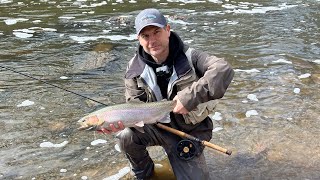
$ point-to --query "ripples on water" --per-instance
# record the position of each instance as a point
(269, 117)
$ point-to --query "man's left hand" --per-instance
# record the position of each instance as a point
(179, 108)
(112, 128)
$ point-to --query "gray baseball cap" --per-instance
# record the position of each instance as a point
(149, 17)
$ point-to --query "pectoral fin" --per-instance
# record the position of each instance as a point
(140, 124)
(165, 119)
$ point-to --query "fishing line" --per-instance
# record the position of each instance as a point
(9, 69)
(174, 131)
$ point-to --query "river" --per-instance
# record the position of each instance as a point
(269, 116)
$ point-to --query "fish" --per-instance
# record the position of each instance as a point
(132, 114)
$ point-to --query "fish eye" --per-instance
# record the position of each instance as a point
(81, 120)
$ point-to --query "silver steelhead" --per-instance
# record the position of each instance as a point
(131, 114)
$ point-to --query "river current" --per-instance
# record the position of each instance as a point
(269, 116)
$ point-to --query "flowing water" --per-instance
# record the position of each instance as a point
(269, 116)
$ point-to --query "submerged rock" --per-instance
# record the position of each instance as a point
(100, 57)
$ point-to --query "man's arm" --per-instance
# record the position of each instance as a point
(133, 92)
(215, 76)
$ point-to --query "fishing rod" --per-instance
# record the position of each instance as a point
(188, 136)
(45, 82)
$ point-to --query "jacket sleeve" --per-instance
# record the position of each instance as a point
(133, 92)
(215, 75)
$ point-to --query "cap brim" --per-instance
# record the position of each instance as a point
(151, 24)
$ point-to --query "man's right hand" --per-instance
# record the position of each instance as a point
(179, 108)
(112, 128)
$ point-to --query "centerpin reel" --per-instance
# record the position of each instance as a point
(186, 149)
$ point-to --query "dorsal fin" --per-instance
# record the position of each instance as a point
(135, 102)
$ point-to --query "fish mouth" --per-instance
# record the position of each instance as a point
(88, 128)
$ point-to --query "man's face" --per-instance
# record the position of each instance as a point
(155, 41)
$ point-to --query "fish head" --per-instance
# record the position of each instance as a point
(90, 122)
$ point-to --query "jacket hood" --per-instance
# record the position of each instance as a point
(176, 57)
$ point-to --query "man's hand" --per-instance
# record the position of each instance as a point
(179, 108)
(113, 128)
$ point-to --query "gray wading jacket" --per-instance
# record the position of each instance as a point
(198, 80)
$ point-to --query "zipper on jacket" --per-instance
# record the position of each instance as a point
(183, 77)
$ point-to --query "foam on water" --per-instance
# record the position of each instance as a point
(49, 29)
(93, 5)
(63, 170)
(297, 30)
(26, 103)
(27, 33)
(217, 129)
(22, 35)
(302, 76)
(252, 97)
(89, 12)
(35, 29)
(247, 71)
(243, 9)
(216, 116)
(117, 148)
(89, 21)
(106, 31)
(282, 61)
(14, 21)
(5, 1)
(188, 41)
(83, 39)
(131, 37)
(228, 22)
(244, 101)
(187, 1)
(64, 77)
(111, 37)
(212, 13)
(37, 21)
(66, 17)
(229, 6)
(24, 31)
(216, 1)
(50, 144)
(175, 21)
(98, 141)
(296, 90)
(251, 113)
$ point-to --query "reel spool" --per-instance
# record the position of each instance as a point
(186, 149)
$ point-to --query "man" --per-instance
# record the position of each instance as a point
(165, 68)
